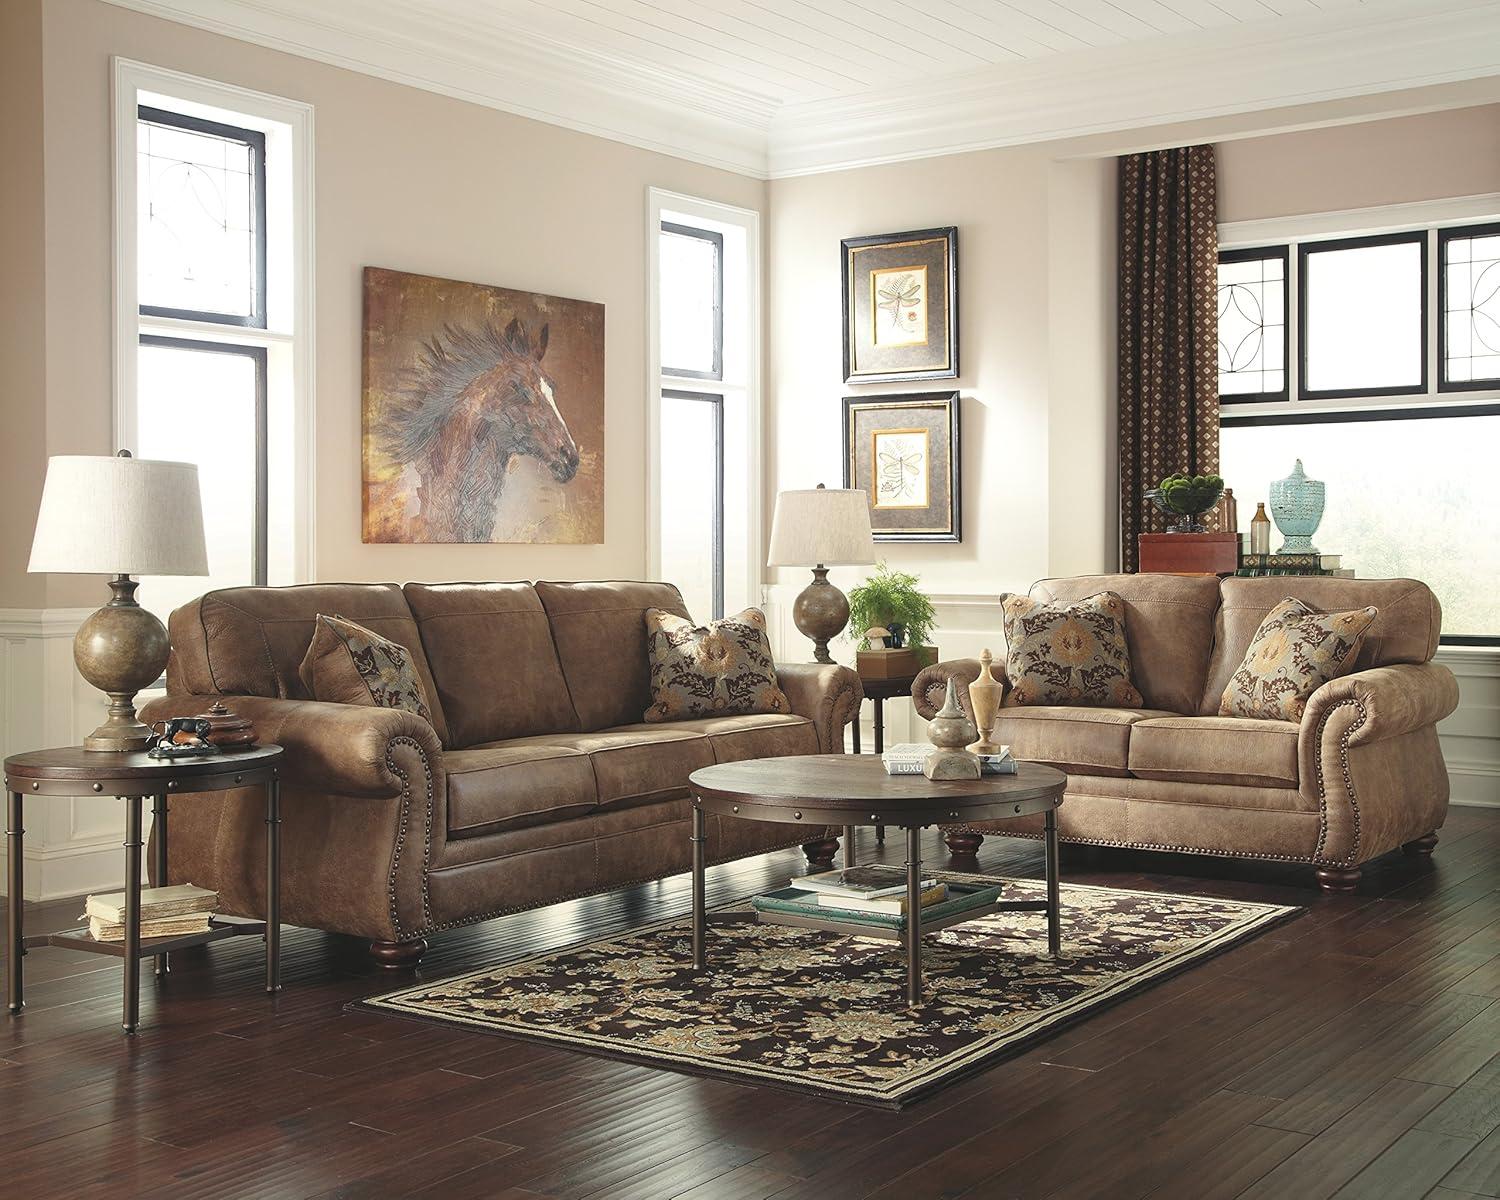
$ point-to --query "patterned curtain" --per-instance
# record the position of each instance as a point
(1169, 387)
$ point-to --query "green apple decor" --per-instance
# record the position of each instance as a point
(1185, 498)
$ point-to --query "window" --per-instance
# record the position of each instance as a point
(704, 529)
(1363, 316)
(1469, 301)
(214, 284)
(1406, 469)
(1252, 324)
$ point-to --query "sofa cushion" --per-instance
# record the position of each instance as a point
(722, 668)
(1092, 741)
(1296, 650)
(496, 789)
(492, 658)
(1235, 751)
(758, 735)
(1169, 627)
(349, 664)
(1405, 630)
(250, 641)
(634, 764)
(599, 630)
(1067, 651)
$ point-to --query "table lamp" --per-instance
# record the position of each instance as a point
(819, 528)
(120, 516)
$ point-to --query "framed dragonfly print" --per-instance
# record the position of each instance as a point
(901, 306)
(903, 452)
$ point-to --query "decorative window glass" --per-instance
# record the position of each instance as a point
(691, 266)
(201, 219)
(1252, 324)
(1363, 320)
(1469, 306)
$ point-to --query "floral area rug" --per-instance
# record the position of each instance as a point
(826, 1014)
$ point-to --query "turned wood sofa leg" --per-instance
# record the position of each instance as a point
(964, 845)
(399, 954)
(820, 853)
(1422, 846)
(1338, 879)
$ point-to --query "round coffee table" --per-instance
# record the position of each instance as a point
(852, 790)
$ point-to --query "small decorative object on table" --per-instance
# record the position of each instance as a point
(227, 729)
(984, 699)
(1260, 531)
(1228, 512)
(182, 737)
(875, 637)
(949, 732)
(1297, 505)
(1185, 498)
(890, 601)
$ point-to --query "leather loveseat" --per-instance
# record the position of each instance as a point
(1360, 775)
(536, 781)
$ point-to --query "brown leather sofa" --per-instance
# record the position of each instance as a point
(1359, 776)
(536, 781)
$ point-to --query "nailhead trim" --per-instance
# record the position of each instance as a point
(401, 933)
(1353, 859)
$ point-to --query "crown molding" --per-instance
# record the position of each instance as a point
(1378, 47)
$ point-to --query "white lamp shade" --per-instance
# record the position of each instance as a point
(119, 516)
(821, 525)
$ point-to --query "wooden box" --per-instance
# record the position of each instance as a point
(1189, 553)
(894, 664)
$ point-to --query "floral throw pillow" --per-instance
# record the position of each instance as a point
(720, 669)
(349, 664)
(1296, 650)
(1068, 651)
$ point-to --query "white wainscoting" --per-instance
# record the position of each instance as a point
(72, 844)
(968, 623)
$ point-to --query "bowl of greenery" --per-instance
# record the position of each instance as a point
(1185, 498)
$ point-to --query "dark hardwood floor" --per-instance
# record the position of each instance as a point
(1354, 1052)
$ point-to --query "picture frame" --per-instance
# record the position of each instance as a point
(900, 306)
(904, 452)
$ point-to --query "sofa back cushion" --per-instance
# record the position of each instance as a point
(492, 656)
(1169, 627)
(1405, 629)
(600, 633)
(250, 641)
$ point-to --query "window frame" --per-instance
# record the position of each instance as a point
(1257, 254)
(255, 140)
(715, 239)
(716, 400)
(1305, 249)
(1444, 235)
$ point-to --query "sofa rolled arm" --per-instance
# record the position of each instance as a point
(1391, 701)
(931, 684)
(827, 694)
(343, 749)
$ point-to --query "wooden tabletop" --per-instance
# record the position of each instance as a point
(854, 789)
(44, 771)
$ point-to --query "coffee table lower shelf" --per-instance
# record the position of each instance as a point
(220, 927)
(897, 933)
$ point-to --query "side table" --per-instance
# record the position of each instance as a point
(130, 776)
(879, 691)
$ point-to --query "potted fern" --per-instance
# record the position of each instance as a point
(890, 600)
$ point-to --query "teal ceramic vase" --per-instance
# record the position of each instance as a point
(1297, 507)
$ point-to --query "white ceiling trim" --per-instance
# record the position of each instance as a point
(1380, 46)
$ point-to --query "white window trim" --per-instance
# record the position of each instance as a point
(1359, 222)
(657, 202)
(130, 79)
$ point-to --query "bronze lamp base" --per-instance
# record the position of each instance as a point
(120, 649)
(821, 611)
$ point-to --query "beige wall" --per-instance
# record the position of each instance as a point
(404, 179)
(22, 297)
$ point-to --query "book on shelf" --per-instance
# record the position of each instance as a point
(110, 931)
(792, 902)
(933, 892)
(908, 757)
(867, 883)
(173, 901)
(1253, 565)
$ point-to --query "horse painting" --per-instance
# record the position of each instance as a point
(468, 436)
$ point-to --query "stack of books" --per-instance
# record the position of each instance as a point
(907, 759)
(1292, 564)
(165, 912)
(867, 889)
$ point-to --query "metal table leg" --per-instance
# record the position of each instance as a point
(913, 915)
(273, 885)
(132, 913)
(159, 862)
(879, 728)
(15, 892)
(849, 846)
(699, 916)
(1054, 915)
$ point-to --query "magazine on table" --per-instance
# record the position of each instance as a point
(907, 759)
